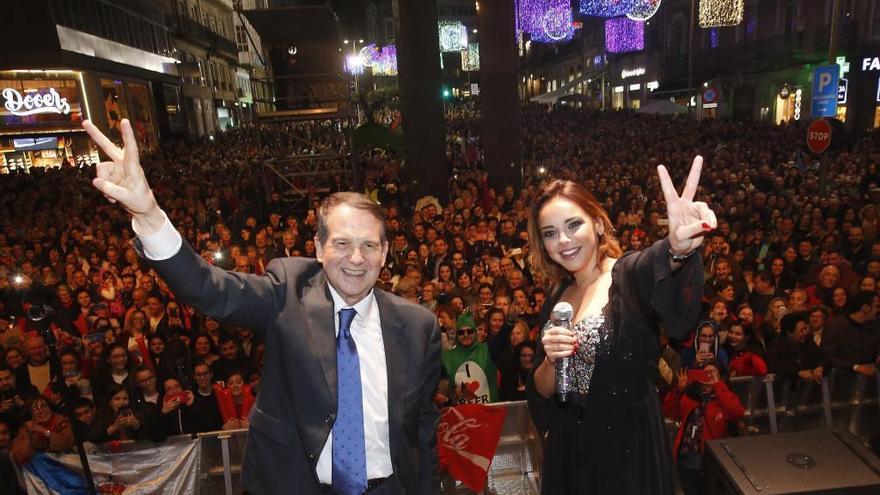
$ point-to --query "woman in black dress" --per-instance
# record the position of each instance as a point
(610, 436)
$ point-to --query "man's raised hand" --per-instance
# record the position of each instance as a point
(122, 178)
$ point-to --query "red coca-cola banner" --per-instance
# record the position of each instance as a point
(467, 437)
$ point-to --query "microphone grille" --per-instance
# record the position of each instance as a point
(562, 311)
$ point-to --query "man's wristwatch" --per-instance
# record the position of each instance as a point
(681, 258)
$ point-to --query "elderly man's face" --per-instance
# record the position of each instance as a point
(353, 253)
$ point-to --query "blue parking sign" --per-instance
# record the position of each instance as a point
(825, 88)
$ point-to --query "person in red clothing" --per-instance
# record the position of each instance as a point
(235, 401)
(744, 352)
(704, 409)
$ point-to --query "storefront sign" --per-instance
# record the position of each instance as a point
(638, 71)
(870, 63)
(32, 102)
(842, 89)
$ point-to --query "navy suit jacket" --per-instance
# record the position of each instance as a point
(291, 310)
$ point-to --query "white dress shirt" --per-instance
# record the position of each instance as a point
(366, 330)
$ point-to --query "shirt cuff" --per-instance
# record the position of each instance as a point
(163, 244)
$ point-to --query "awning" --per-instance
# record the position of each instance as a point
(566, 89)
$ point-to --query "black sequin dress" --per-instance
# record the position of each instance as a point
(610, 438)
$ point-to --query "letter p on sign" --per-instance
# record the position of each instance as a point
(824, 80)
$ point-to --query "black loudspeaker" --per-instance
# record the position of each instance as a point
(806, 462)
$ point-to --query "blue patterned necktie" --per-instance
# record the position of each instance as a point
(349, 451)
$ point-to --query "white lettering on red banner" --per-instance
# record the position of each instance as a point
(32, 103)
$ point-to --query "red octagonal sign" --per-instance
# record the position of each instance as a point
(819, 136)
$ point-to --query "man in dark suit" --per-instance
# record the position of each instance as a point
(345, 403)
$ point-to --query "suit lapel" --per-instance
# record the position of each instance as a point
(395, 363)
(319, 308)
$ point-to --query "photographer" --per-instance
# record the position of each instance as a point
(175, 416)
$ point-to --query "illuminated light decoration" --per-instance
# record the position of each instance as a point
(557, 23)
(368, 55)
(720, 13)
(797, 104)
(624, 35)
(385, 62)
(33, 103)
(354, 65)
(713, 38)
(545, 21)
(470, 58)
(453, 36)
(643, 10)
(607, 8)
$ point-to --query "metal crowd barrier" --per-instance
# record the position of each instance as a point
(771, 397)
(514, 470)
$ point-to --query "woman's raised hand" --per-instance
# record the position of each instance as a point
(689, 220)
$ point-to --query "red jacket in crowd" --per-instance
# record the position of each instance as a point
(725, 407)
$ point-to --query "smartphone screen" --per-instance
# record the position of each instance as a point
(704, 347)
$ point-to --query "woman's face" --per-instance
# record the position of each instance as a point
(157, 346)
(868, 284)
(482, 333)
(40, 411)
(202, 346)
(118, 359)
(464, 280)
(777, 266)
(778, 308)
(235, 384)
(517, 335)
(485, 295)
(68, 364)
(14, 358)
(211, 324)
(719, 311)
(707, 335)
(445, 273)
(424, 251)
(746, 315)
(728, 293)
(736, 335)
(839, 297)
(119, 401)
(568, 235)
(526, 358)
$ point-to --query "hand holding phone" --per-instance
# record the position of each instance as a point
(699, 376)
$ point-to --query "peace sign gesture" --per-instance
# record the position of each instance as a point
(122, 178)
(689, 220)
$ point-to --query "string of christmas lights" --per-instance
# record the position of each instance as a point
(470, 58)
(624, 35)
(719, 13)
(453, 36)
(607, 8)
(643, 10)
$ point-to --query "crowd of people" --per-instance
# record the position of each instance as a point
(791, 272)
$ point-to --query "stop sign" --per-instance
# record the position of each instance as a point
(819, 136)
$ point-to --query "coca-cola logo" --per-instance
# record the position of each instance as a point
(33, 102)
(453, 434)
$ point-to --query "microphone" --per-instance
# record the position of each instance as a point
(561, 317)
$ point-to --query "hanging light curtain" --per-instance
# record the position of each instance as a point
(624, 35)
(719, 13)
(643, 10)
(607, 8)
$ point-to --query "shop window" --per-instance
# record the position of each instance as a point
(876, 117)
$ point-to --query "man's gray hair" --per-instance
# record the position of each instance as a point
(353, 200)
